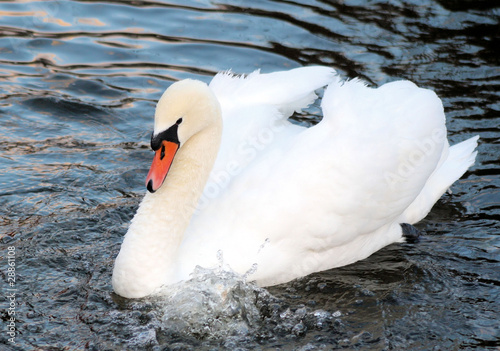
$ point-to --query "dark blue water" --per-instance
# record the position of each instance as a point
(79, 81)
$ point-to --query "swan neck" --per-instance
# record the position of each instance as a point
(148, 252)
(186, 180)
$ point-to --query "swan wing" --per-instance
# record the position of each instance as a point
(321, 197)
(383, 144)
(255, 109)
(288, 91)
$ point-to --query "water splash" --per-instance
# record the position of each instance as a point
(214, 303)
(219, 306)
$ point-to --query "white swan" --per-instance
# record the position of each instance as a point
(292, 200)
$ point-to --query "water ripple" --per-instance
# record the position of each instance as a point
(79, 85)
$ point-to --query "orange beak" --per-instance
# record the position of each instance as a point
(161, 164)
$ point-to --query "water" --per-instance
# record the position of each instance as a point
(79, 81)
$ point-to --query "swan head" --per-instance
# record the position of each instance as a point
(185, 109)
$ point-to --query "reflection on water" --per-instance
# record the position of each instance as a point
(79, 83)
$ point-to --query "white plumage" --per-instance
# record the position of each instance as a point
(290, 199)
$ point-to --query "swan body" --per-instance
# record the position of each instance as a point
(231, 174)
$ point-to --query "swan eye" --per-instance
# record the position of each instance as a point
(179, 121)
(169, 134)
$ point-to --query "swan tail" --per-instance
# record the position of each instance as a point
(288, 91)
(458, 159)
